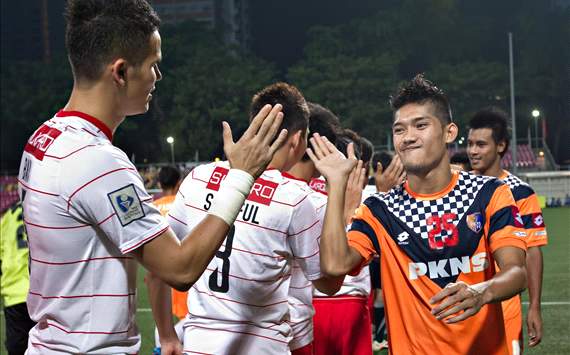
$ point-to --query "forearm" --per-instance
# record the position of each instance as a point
(160, 303)
(534, 274)
(334, 248)
(506, 283)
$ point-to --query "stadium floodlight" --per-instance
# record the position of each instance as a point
(170, 140)
(535, 113)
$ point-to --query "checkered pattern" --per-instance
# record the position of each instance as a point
(415, 212)
(513, 181)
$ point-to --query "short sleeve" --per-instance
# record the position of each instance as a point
(504, 226)
(112, 196)
(304, 233)
(531, 214)
(363, 236)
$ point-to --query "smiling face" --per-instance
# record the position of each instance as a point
(484, 153)
(141, 79)
(420, 138)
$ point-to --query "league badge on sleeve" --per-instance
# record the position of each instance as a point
(475, 222)
(126, 204)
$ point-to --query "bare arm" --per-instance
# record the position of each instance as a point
(462, 301)
(329, 285)
(337, 257)
(180, 264)
(160, 303)
(534, 275)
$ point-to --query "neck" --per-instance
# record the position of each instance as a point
(494, 169)
(168, 192)
(97, 100)
(303, 170)
(433, 181)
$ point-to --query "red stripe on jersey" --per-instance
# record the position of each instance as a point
(40, 345)
(305, 332)
(253, 280)
(145, 240)
(254, 253)
(195, 178)
(83, 260)
(244, 333)
(35, 190)
(65, 156)
(91, 181)
(88, 131)
(304, 230)
(306, 257)
(106, 219)
(300, 287)
(196, 352)
(81, 331)
(94, 121)
(81, 296)
(52, 227)
(290, 205)
(176, 219)
(248, 322)
(234, 301)
(238, 221)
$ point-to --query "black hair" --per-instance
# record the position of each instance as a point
(323, 122)
(383, 157)
(99, 31)
(367, 149)
(295, 109)
(461, 158)
(344, 138)
(496, 120)
(168, 177)
(419, 90)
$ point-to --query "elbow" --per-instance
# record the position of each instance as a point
(523, 278)
(183, 281)
(331, 270)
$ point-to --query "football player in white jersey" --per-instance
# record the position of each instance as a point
(239, 305)
(87, 214)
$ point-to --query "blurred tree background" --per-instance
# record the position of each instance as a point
(351, 67)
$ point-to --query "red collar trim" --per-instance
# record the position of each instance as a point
(292, 177)
(96, 122)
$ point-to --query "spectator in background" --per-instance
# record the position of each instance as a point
(460, 161)
(15, 280)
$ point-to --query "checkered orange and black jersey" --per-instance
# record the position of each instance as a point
(449, 227)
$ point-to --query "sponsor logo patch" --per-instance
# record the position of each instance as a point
(403, 238)
(42, 139)
(537, 220)
(475, 222)
(218, 175)
(126, 204)
(518, 221)
(262, 191)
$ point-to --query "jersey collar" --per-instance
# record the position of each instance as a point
(94, 121)
(436, 195)
(292, 177)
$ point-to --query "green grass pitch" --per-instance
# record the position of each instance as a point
(555, 294)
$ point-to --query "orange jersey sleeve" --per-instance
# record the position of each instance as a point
(504, 225)
(531, 214)
(364, 235)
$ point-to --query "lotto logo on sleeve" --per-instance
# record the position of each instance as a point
(537, 220)
(262, 191)
(126, 204)
(218, 175)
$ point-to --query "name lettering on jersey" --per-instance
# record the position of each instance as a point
(448, 267)
(475, 222)
(27, 167)
(126, 204)
(248, 212)
(319, 185)
(436, 236)
(537, 220)
(262, 191)
(218, 175)
(41, 140)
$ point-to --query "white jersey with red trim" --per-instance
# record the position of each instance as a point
(85, 209)
(239, 304)
(301, 292)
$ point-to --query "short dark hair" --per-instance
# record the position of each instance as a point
(367, 149)
(168, 177)
(419, 90)
(323, 122)
(494, 119)
(344, 138)
(100, 30)
(383, 157)
(295, 109)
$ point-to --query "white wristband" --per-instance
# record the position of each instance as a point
(231, 195)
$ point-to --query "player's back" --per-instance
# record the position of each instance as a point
(242, 295)
(66, 164)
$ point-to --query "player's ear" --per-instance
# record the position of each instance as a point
(119, 71)
(450, 131)
(501, 146)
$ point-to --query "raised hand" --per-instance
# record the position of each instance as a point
(256, 147)
(329, 161)
(354, 187)
(392, 176)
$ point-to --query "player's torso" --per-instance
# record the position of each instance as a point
(249, 278)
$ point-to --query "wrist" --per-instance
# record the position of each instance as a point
(231, 195)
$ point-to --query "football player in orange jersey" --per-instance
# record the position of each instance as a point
(439, 235)
(487, 143)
